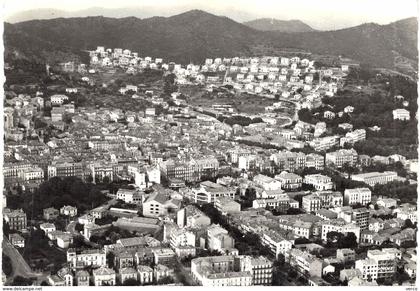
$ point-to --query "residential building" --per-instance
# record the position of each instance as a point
(68, 211)
(17, 240)
(377, 264)
(289, 181)
(341, 157)
(339, 225)
(91, 257)
(373, 178)
(324, 143)
(104, 277)
(267, 183)
(219, 239)
(131, 196)
(208, 192)
(307, 264)
(191, 216)
(65, 169)
(279, 244)
(82, 278)
(159, 204)
(127, 274)
(145, 274)
(357, 195)
(401, 114)
(16, 219)
(162, 271)
(346, 255)
(220, 271)
(226, 205)
(319, 182)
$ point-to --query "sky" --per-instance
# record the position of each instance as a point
(321, 14)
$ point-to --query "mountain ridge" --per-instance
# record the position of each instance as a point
(196, 34)
(272, 24)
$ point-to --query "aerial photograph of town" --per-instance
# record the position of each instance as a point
(178, 143)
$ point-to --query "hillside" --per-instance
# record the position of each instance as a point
(195, 35)
(271, 24)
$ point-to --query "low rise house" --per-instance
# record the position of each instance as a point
(126, 274)
(17, 240)
(401, 114)
(82, 278)
(227, 205)
(357, 195)
(104, 277)
(162, 271)
(159, 204)
(68, 211)
(319, 182)
(306, 263)
(145, 274)
(289, 181)
(16, 219)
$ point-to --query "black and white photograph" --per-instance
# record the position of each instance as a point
(209, 143)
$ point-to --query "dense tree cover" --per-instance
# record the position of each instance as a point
(341, 241)
(169, 85)
(400, 190)
(7, 265)
(250, 195)
(108, 219)
(379, 167)
(22, 281)
(130, 282)
(165, 280)
(38, 244)
(239, 119)
(301, 241)
(58, 192)
(374, 108)
(111, 235)
(342, 183)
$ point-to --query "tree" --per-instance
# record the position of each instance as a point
(7, 265)
(22, 281)
(333, 237)
(79, 227)
(106, 180)
(110, 257)
(301, 240)
(348, 241)
(165, 280)
(130, 282)
(408, 224)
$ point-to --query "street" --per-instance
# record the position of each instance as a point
(20, 267)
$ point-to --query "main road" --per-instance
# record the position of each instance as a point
(20, 266)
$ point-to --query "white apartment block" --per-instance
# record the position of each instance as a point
(96, 258)
(319, 182)
(401, 114)
(129, 196)
(373, 178)
(378, 264)
(277, 244)
(341, 157)
(35, 173)
(339, 225)
(357, 195)
(58, 99)
(356, 135)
